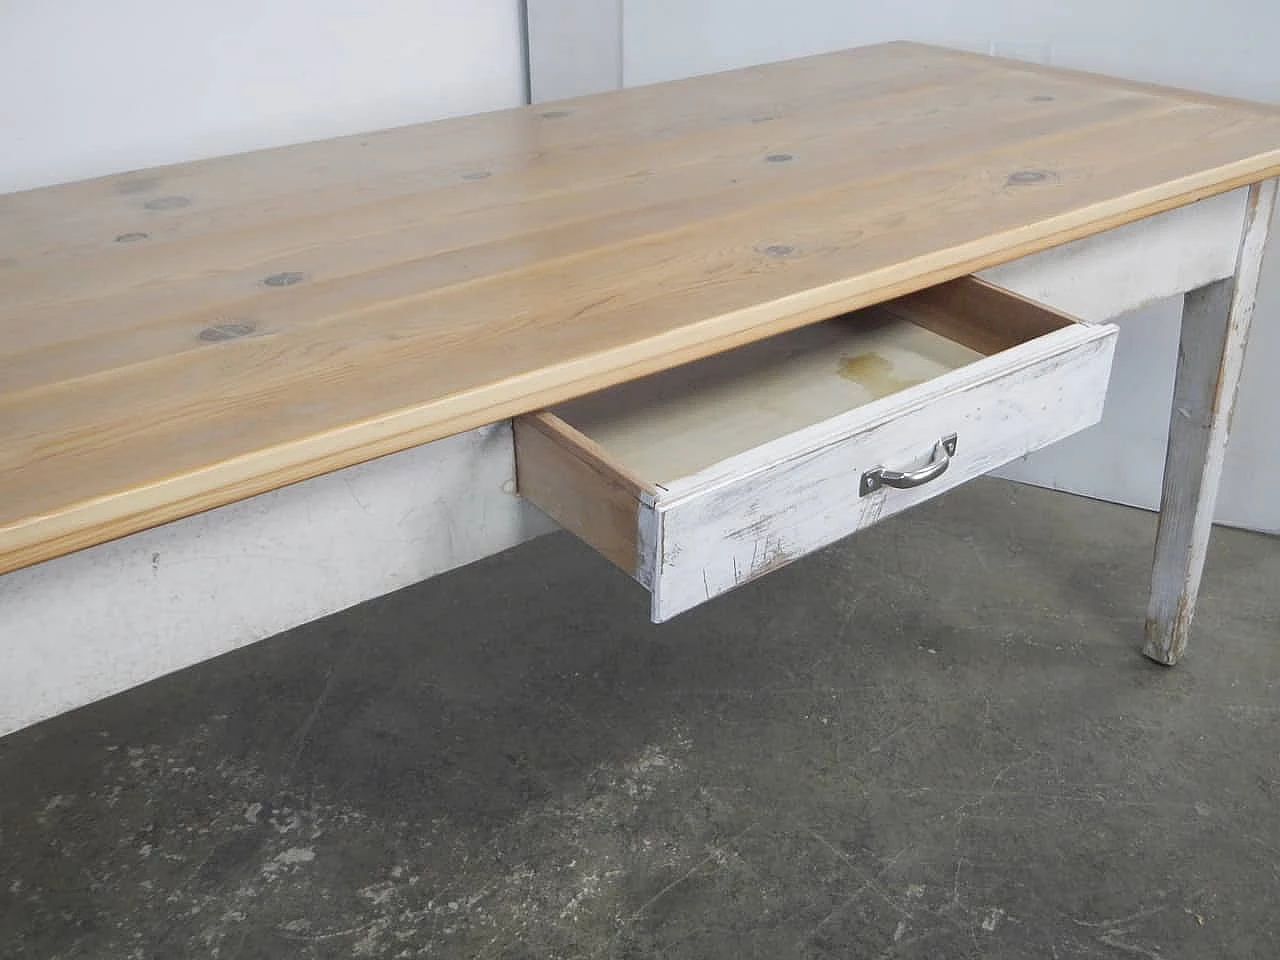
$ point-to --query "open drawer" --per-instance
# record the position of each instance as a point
(711, 474)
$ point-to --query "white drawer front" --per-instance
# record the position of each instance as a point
(756, 513)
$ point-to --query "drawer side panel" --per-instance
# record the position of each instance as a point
(580, 496)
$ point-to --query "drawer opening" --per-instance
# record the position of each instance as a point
(678, 422)
(710, 474)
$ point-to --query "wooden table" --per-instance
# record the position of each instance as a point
(230, 344)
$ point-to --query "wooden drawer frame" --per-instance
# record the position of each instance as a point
(1043, 376)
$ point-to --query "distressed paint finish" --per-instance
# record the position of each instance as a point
(103, 620)
(754, 513)
(1215, 332)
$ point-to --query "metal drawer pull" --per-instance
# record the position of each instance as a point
(878, 477)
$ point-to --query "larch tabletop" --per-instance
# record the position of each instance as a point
(179, 338)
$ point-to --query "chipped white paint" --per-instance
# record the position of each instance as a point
(1215, 331)
(754, 512)
(648, 542)
(99, 621)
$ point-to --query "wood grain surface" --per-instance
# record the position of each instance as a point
(581, 487)
(175, 339)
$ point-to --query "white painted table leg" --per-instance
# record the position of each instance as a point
(1215, 329)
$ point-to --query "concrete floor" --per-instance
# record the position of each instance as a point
(935, 740)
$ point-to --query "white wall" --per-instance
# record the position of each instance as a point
(1224, 46)
(89, 87)
(575, 47)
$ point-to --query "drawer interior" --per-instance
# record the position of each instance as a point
(678, 422)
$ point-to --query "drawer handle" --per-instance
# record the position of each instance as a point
(879, 477)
